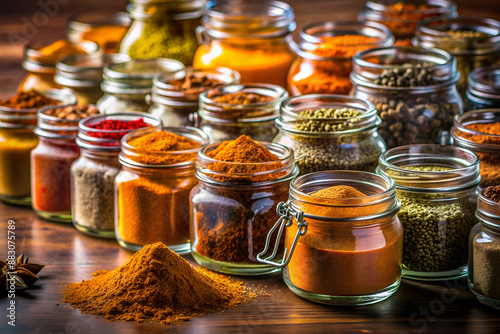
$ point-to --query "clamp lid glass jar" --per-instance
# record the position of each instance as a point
(225, 120)
(340, 250)
(330, 132)
(483, 90)
(413, 90)
(437, 188)
(252, 38)
(126, 85)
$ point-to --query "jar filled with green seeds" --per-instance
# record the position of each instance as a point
(437, 188)
(330, 132)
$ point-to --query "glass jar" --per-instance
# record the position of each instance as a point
(483, 90)
(175, 106)
(311, 73)
(104, 28)
(224, 121)
(486, 146)
(41, 67)
(82, 74)
(251, 38)
(152, 201)
(421, 113)
(17, 139)
(93, 174)
(401, 17)
(344, 143)
(473, 41)
(231, 213)
(484, 253)
(344, 252)
(163, 29)
(126, 85)
(437, 188)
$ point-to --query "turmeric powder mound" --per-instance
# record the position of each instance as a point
(339, 192)
(155, 285)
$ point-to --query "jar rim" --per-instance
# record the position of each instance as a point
(55, 127)
(481, 82)
(488, 211)
(90, 67)
(470, 117)
(381, 7)
(87, 20)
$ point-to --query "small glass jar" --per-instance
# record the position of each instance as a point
(82, 74)
(475, 43)
(231, 213)
(350, 143)
(17, 139)
(253, 39)
(486, 146)
(410, 114)
(175, 106)
(126, 85)
(163, 29)
(104, 28)
(437, 188)
(401, 17)
(93, 174)
(344, 252)
(224, 121)
(484, 253)
(483, 90)
(314, 74)
(41, 68)
(152, 201)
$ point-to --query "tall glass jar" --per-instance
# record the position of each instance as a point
(93, 174)
(341, 251)
(484, 253)
(126, 85)
(350, 142)
(401, 17)
(483, 90)
(152, 201)
(419, 102)
(251, 38)
(176, 106)
(314, 73)
(232, 212)
(437, 188)
(473, 41)
(17, 139)
(224, 121)
(163, 29)
(486, 146)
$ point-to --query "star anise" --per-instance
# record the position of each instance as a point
(23, 273)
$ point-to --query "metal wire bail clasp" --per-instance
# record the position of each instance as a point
(287, 213)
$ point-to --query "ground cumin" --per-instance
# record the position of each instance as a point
(154, 285)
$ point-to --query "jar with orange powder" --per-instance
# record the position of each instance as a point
(343, 240)
(253, 39)
(325, 55)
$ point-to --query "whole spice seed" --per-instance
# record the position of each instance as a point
(406, 75)
(31, 99)
(241, 98)
(110, 124)
(73, 112)
(493, 193)
(332, 113)
(466, 33)
(21, 272)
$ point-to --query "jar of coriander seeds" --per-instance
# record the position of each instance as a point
(483, 90)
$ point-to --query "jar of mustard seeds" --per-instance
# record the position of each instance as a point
(254, 39)
(437, 188)
(483, 90)
(152, 191)
(340, 250)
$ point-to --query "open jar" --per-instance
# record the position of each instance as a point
(324, 59)
(232, 212)
(152, 199)
(254, 39)
(330, 132)
(126, 85)
(437, 188)
(175, 95)
(483, 90)
(341, 251)
(413, 90)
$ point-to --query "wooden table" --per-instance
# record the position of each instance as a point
(447, 307)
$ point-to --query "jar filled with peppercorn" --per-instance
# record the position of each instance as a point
(175, 95)
(437, 186)
(330, 132)
(228, 112)
(483, 90)
(93, 174)
(413, 90)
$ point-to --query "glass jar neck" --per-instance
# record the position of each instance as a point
(100, 155)
(164, 10)
(472, 139)
(378, 10)
(488, 212)
(484, 84)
